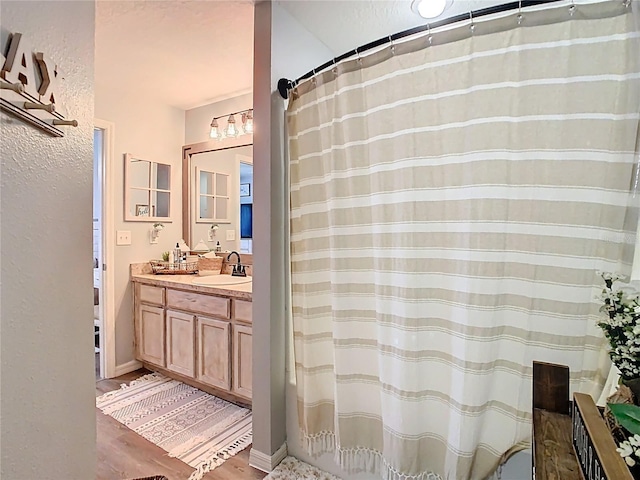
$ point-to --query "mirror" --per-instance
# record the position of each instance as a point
(147, 190)
(218, 191)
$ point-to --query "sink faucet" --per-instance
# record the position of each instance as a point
(238, 269)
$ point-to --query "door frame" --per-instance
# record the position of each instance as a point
(107, 230)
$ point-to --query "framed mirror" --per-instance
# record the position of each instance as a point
(217, 191)
(147, 190)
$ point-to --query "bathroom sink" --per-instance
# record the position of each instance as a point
(216, 280)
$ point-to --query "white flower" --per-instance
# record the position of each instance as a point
(635, 440)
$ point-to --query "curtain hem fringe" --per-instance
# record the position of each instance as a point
(359, 459)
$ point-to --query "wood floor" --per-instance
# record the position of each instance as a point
(123, 454)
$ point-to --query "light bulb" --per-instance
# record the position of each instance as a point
(214, 133)
(247, 122)
(430, 8)
(231, 130)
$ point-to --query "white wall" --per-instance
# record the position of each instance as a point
(151, 131)
(48, 391)
(198, 120)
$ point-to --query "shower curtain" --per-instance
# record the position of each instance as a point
(451, 199)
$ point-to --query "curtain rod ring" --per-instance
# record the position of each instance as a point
(572, 8)
(429, 36)
(520, 17)
(335, 68)
(472, 27)
(358, 57)
(393, 47)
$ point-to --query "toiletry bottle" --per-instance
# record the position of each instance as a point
(218, 247)
(171, 258)
(177, 254)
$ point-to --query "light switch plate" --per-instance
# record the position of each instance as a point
(123, 237)
(231, 234)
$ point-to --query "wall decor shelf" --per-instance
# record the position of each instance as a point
(36, 117)
(28, 88)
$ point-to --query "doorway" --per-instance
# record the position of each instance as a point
(103, 226)
(98, 301)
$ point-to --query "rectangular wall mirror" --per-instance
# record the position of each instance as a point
(147, 190)
(218, 191)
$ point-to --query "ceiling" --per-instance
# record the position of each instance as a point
(183, 53)
(195, 52)
(347, 24)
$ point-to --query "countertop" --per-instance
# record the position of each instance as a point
(240, 291)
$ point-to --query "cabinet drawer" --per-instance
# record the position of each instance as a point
(195, 302)
(149, 294)
(242, 310)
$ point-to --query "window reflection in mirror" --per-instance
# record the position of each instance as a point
(147, 190)
(215, 197)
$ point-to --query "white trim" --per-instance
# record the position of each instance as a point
(130, 366)
(267, 463)
(108, 330)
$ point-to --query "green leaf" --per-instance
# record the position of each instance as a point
(627, 415)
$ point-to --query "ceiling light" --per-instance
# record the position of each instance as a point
(430, 8)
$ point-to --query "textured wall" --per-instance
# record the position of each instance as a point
(151, 131)
(47, 360)
(282, 48)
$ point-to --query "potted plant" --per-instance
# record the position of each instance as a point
(621, 327)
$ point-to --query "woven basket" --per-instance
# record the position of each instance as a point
(210, 266)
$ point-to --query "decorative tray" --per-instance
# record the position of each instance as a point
(177, 268)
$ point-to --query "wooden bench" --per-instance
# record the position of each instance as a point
(553, 455)
(557, 455)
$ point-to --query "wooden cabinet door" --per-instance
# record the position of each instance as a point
(242, 360)
(213, 359)
(150, 334)
(181, 343)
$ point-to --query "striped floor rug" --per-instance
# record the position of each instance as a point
(193, 426)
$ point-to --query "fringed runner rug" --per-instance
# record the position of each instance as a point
(189, 424)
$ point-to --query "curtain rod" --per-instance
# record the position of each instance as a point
(284, 85)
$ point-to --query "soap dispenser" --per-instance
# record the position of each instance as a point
(177, 253)
(218, 247)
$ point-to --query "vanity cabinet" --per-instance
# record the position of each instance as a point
(180, 342)
(213, 353)
(242, 358)
(150, 334)
(199, 338)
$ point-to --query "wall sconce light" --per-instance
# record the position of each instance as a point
(247, 122)
(232, 130)
(155, 232)
(212, 231)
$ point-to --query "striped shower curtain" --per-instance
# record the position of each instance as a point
(451, 202)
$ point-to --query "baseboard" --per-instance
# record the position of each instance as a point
(265, 462)
(128, 367)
